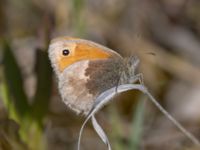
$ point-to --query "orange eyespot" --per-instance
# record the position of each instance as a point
(65, 52)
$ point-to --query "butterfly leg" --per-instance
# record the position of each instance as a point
(138, 77)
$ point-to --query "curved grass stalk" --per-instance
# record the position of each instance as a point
(106, 96)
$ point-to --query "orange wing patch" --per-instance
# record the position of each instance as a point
(83, 51)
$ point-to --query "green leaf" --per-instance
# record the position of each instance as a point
(8, 103)
(14, 81)
(78, 21)
(44, 83)
(117, 129)
(137, 126)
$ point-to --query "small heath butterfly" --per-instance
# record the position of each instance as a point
(86, 69)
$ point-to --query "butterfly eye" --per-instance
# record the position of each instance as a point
(65, 52)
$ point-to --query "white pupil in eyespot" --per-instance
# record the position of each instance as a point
(65, 52)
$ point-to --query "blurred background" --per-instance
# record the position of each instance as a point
(164, 34)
